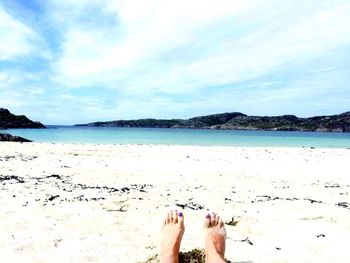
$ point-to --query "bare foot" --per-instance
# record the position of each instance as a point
(215, 236)
(172, 232)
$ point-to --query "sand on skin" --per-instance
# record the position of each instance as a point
(104, 203)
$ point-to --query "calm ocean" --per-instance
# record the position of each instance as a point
(102, 135)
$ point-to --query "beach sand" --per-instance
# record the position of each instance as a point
(105, 203)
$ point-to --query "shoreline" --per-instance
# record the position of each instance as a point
(185, 137)
(105, 203)
(178, 145)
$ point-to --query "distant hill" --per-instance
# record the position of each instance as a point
(9, 120)
(240, 121)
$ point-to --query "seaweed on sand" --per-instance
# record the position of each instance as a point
(194, 256)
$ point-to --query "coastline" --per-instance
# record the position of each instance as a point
(188, 137)
(104, 203)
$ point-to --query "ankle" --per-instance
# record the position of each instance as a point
(214, 257)
(212, 254)
(169, 258)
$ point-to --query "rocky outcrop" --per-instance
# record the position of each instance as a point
(332, 123)
(4, 137)
(9, 120)
(240, 121)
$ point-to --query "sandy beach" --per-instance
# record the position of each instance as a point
(105, 203)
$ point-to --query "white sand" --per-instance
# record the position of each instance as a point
(91, 219)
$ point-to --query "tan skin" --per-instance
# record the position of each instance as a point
(173, 229)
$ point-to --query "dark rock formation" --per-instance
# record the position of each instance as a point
(240, 121)
(9, 120)
(10, 138)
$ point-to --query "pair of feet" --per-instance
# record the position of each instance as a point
(173, 229)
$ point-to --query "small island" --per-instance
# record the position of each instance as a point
(240, 121)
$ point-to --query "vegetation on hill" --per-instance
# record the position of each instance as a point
(240, 121)
(9, 120)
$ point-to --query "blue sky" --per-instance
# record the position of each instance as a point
(76, 61)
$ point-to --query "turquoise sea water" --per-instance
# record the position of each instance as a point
(102, 135)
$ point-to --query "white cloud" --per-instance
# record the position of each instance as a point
(261, 52)
(20, 90)
(144, 31)
(129, 55)
(17, 39)
(9, 78)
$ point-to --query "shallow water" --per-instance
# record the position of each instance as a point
(109, 135)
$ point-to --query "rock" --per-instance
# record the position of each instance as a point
(10, 138)
(10, 178)
(53, 197)
(344, 204)
(247, 240)
(9, 121)
(54, 176)
(191, 205)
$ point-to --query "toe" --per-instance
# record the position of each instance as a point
(167, 219)
(215, 220)
(207, 221)
(221, 222)
(212, 219)
(170, 216)
(180, 218)
(175, 218)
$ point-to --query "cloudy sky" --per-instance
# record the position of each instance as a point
(75, 61)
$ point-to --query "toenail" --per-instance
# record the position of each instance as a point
(180, 214)
(207, 216)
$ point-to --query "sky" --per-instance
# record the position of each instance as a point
(78, 61)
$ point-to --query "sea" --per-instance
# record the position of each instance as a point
(112, 135)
